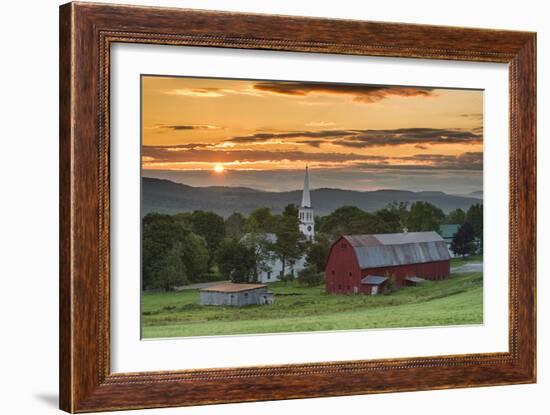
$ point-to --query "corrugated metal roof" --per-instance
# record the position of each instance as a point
(373, 280)
(391, 249)
(393, 238)
(230, 287)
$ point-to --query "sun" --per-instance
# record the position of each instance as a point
(218, 168)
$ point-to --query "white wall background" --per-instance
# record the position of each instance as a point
(28, 207)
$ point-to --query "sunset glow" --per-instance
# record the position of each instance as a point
(201, 124)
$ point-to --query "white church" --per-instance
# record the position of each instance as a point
(274, 266)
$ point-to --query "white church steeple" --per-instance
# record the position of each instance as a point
(305, 213)
(306, 201)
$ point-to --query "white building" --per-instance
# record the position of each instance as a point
(305, 214)
(273, 268)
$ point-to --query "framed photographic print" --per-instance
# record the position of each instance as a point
(261, 207)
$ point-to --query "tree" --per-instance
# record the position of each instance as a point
(351, 220)
(317, 252)
(463, 240)
(391, 219)
(170, 271)
(159, 235)
(195, 256)
(290, 210)
(184, 219)
(457, 216)
(400, 209)
(164, 234)
(290, 242)
(424, 216)
(261, 246)
(211, 227)
(235, 261)
(309, 276)
(262, 220)
(474, 215)
(234, 226)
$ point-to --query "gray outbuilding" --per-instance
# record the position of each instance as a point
(238, 295)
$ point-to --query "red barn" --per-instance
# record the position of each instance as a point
(367, 263)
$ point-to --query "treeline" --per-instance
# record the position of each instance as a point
(203, 246)
(469, 237)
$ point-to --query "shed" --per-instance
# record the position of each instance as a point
(413, 281)
(394, 255)
(238, 295)
(375, 284)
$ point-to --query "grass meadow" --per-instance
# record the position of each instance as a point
(456, 301)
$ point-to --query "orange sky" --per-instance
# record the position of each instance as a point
(220, 125)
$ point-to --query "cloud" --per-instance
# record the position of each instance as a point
(477, 116)
(370, 138)
(201, 153)
(320, 124)
(211, 92)
(186, 127)
(366, 94)
(464, 161)
(206, 153)
(198, 92)
(412, 136)
(263, 137)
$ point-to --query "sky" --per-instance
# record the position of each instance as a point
(262, 134)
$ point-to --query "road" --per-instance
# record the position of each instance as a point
(470, 267)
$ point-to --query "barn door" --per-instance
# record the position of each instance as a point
(374, 290)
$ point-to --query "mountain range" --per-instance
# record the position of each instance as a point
(164, 196)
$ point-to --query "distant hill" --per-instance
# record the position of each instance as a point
(164, 196)
(478, 194)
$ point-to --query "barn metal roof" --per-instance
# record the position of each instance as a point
(230, 287)
(391, 249)
(373, 280)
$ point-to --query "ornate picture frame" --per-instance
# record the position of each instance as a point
(87, 32)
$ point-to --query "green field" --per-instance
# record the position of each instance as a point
(458, 300)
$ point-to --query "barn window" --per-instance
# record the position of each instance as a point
(269, 275)
(246, 294)
(332, 272)
(343, 246)
(350, 273)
